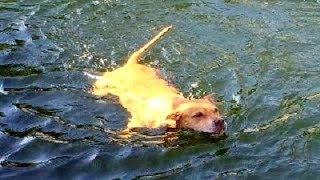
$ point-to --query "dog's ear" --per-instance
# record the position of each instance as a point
(174, 116)
(210, 97)
(177, 101)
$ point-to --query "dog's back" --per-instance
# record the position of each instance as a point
(140, 88)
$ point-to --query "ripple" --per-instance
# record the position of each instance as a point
(261, 59)
(18, 70)
(273, 123)
(17, 164)
(19, 145)
(2, 91)
(26, 140)
(91, 156)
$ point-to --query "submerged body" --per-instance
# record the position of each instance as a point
(140, 90)
(152, 102)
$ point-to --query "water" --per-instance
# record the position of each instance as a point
(261, 58)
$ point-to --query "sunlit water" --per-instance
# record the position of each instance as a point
(261, 58)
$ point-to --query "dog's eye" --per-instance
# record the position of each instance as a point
(215, 110)
(198, 114)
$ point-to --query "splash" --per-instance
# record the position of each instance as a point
(2, 91)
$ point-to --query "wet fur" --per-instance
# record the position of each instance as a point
(152, 101)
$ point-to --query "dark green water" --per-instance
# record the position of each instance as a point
(261, 58)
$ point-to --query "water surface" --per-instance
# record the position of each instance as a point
(261, 58)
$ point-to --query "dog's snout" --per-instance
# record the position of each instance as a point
(219, 122)
(219, 125)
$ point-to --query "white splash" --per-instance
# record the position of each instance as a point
(236, 97)
(2, 91)
(194, 84)
(95, 2)
(26, 140)
(92, 157)
(91, 75)
(3, 158)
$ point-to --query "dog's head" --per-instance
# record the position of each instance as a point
(199, 114)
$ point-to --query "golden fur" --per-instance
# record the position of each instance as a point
(152, 102)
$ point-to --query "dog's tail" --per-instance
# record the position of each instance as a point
(135, 57)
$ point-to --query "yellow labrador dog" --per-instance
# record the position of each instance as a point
(153, 102)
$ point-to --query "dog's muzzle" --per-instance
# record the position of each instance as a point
(219, 126)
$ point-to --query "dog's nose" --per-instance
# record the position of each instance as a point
(219, 124)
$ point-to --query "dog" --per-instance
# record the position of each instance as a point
(152, 101)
